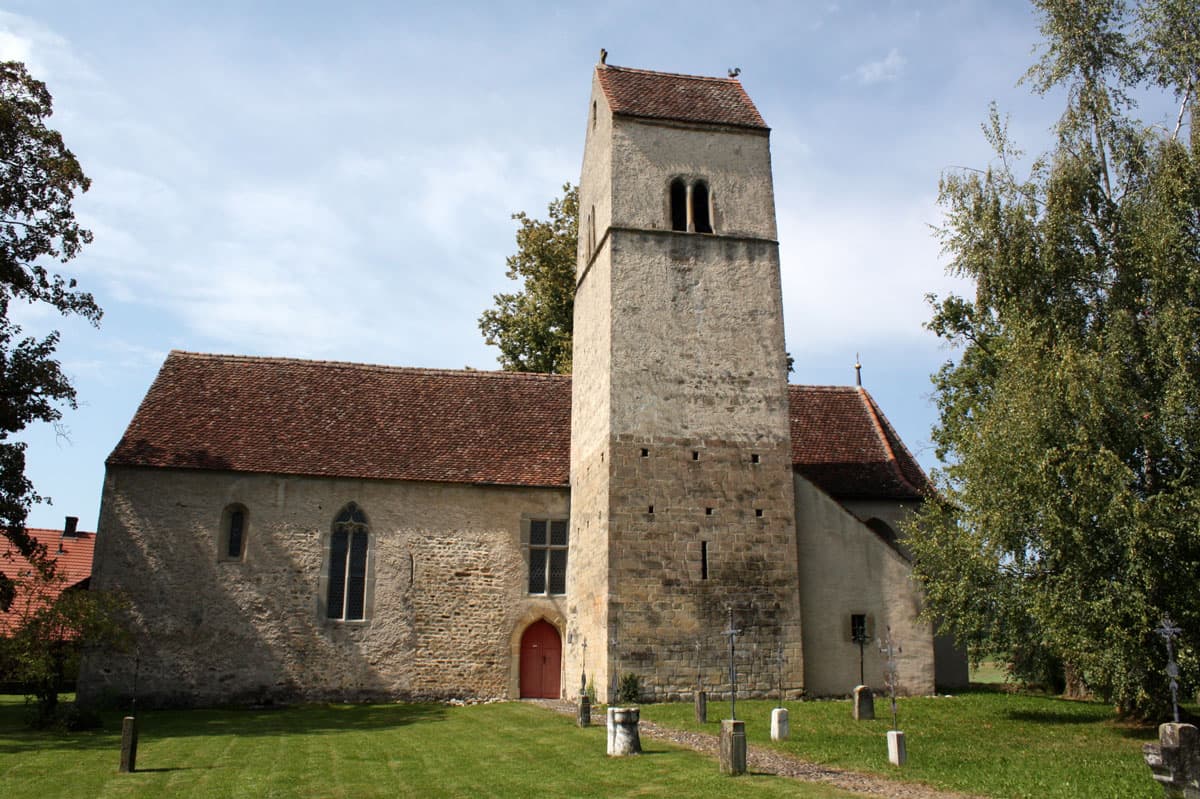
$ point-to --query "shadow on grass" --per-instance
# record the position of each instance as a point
(16, 736)
(1057, 717)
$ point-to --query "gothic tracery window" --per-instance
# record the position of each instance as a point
(347, 593)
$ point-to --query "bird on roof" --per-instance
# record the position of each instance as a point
(733, 73)
(603, 55)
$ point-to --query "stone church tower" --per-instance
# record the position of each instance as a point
(682, 500)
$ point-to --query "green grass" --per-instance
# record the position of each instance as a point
(986, 742)
(990, 671)
(509, 749)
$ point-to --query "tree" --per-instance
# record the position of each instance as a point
(39, 177)
(50, 627)
(1069, 425)
(532, 327)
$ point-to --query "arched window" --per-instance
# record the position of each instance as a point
(232, 541)
(882, 529)
(679, 215)
(346, 598)
(700, 220)
(691, 206)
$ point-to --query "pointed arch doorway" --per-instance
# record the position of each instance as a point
(541, 661)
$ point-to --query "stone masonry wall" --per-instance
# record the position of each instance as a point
(697, 526)
(446, 588)
(845, 569)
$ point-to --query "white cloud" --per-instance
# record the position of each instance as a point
(47, 55)
(857, 274)
(888, 68)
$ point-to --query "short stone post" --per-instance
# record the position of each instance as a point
(585, 710)
(701, 699)
(1175, 760)
(623, 737)
(897, 753)
(780, 729)
(129, 738)
(864, 704)
(733, 747)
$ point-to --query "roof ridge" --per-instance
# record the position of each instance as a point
(272, 359)
(669, 74)
(881, 425)
(822, 387)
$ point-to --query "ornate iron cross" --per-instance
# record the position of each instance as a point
(733, 633)
(890, 671)
(1170, 632)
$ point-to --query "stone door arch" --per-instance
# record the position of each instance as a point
(541, 661)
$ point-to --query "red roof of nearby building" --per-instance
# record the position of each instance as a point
(72, 556)
(686, 98)
(286, 416)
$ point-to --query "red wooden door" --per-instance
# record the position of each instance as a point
(541, 661)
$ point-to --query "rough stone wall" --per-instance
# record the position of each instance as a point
(735, 163)
(845, 568)
(697, 526)
(446, 588)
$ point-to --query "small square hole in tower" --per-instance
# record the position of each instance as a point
(645, 452)
(708, 511)
(650, 509)
(754, 458)
(695, 455)
(758, 512)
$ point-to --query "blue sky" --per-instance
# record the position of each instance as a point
(291, 179)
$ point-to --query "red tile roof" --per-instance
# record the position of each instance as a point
(687, 98)
(72, 556)
(842, 442)
(352, 420)
(331, 419)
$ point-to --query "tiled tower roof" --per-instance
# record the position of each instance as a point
(685, 98)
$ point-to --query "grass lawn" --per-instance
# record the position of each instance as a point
(509, 749)
(989, 671)
(984, 741)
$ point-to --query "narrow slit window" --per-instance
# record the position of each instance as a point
(231, 543)
(703, 560)
(650, 509)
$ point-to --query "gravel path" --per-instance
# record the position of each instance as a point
(767, 761)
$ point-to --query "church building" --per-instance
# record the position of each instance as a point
(289, 529)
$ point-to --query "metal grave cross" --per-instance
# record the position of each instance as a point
(779, 670)
(890, 670)
(583, 670)
(733, 633)
(1170, 632)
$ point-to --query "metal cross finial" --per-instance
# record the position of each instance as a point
(1170, 632)
(733, 633)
